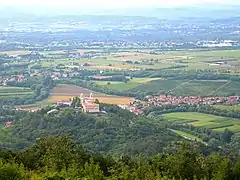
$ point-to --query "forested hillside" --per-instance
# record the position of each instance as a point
(119, 131)
(58, 158)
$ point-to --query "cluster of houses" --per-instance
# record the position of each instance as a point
(190, 100)
(20, 78)
(134, 108)
(164, 100)
(5, 80)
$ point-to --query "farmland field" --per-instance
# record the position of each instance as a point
(187, 88)
(34, 107)
(187, 135)
(17, 52)
(14, 91)
(145, 60)
(217, 123)
(231, 108)
(220, 53)
(66, 92)
(73, 90)
(125, 86)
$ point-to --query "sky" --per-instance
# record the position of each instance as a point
(112, 3)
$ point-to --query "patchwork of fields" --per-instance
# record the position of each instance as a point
(189, 88)
(119, 86)
(216, 123)
(145, 60)
(6, 91)
(66, 92)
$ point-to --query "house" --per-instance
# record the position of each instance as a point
(8, 124)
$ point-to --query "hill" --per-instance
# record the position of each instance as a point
(116, 132)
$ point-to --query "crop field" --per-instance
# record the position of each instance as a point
(219, 54)
(17, 52)
(121, 86)
(6, 91)
(62, 90)
(102, 99)
(187, 135)
(231, 108)
(66, 92)
(217, 123)
(188, 88)
(118, 61)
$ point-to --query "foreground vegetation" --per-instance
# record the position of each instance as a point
(62, 158)
(119, 131)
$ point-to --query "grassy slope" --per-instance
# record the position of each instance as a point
(220, 53)
(235, 107)
(126, 86)
(216, 123)
(9, 91)
(187, 135)
(193, 59)
(198, 88)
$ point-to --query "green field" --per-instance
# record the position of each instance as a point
(6, 91)
(231, 108)
(219, 54)
(118, 61)
(187, 135)
(188, 88)
(125, 86)
(217, 123)
(13, 89)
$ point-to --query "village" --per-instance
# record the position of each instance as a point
(138, 107)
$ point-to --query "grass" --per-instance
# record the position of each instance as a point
(187, 135)
(218, 54)
(197, 87)
(15, 94)
(36, 106)
(193, 59)
(9, 91)
(15, 52)
(217, 123)
(231, 108)
(102, 99)
(66, 92)
(122, 86)
(13, 89)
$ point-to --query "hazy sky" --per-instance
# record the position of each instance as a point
(112, 3)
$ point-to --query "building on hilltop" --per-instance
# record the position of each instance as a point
(88, 104)
(90, 107)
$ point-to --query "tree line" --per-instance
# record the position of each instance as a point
(59, 157)
(40, 88)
